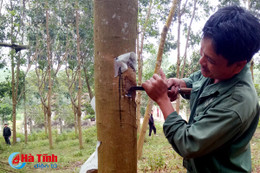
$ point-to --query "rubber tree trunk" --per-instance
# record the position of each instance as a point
(45, 120)
(87, 83)
(49, 76)
(75, 119)
(15, 81)
(79, 112)
(25, 114)
(115, 34)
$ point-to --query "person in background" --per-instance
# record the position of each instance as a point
(7, 134)
(151, 125)
(223, 101)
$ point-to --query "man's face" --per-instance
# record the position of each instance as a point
(215, 66)
(5, 125)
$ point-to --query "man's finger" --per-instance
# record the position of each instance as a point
(146, 84)
(156, 77)
(162, 74)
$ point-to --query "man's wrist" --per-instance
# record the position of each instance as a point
(166, 106)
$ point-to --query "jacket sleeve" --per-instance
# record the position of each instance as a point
(193, 78)
(207, 133)
(189, 82)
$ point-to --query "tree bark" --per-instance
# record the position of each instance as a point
(115, 23)
(187, 39)
(75, 119)
(140, 66)
(180, 13)
(45, 120)
(185, 51)
(178, 40)
(79, 79)
(49, 76)
(25, 115)
(13, 100)
(178, 100)
(24, 89)
(15, 78)
(73, 100)
(157, 68)
(87, 82)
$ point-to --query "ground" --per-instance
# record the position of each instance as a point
(158, 155)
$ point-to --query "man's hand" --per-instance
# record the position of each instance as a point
(175, 84)
(157, 89)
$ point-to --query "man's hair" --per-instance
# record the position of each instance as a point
(235, 33)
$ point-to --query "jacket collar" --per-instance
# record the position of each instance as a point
(224, 86)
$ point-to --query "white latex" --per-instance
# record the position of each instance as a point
(124, 61)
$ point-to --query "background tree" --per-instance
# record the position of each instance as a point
(156, 70)
(49, 68)
(79, 112)
(140, 45)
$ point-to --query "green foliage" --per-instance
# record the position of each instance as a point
(142, 110)
(254, 7)
(228, 2)
(72, 135)
(3, 25)
(159, 13)
(21, 136)
(191, 66)
(257, 87)
(5, 111)
(5, 89)
(61, 137)
(1, 148)
(90, 132)
(78, 154)
(89, 110)
(89, 117)
(170, 44)
(42, 135)
(157, 162)
(32, 137)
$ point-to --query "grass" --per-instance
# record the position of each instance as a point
(158, 155)
(66, 147)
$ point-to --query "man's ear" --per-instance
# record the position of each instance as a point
(239, 66)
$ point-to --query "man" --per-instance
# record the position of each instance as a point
(7, 133)
(223, 102)
(151, 125)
